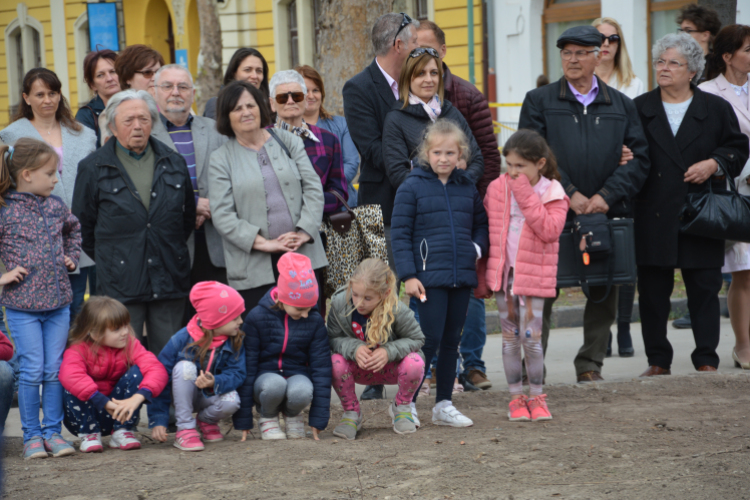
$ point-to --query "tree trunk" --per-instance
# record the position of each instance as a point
(208, 80)
(344, 43)
(727, 10)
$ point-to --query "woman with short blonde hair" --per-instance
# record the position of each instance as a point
(615, 68)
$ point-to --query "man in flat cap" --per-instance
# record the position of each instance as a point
(602, 155)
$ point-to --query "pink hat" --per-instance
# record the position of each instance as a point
(297, 285)
(216, 304)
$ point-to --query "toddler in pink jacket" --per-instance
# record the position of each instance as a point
(526, 208)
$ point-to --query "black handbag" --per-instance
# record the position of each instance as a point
(721, 214)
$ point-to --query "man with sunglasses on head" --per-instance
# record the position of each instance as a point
(586, 123)
(368, 96)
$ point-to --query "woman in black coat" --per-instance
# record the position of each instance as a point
(694, 138)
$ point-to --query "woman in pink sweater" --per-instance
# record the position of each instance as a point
(526, 207)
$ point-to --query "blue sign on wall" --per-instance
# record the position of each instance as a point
(180, 57)
(103, 29)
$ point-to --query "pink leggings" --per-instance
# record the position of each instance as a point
(407, 373)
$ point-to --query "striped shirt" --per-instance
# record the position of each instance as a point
(182, 137)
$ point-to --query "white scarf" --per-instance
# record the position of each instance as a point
(432, 107)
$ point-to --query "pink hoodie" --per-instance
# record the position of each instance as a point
(535, 269)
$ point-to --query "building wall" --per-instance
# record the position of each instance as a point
(452, 17)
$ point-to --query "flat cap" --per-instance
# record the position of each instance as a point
(586, 36)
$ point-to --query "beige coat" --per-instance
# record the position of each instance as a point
(238, 205)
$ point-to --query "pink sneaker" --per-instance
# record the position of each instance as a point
(188, 440)
(539, 410)
(519, 411)
(211, 432)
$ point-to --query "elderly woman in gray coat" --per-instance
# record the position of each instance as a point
(265, 196)
(44, 114)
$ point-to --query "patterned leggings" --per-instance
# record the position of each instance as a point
(521, 322)
(407, 373)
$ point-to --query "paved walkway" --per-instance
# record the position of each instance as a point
(563, 346)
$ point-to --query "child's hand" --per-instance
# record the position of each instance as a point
(110, 408)
(377, 361)
(205, 380)
(362, 356)
(315, 433)
(14, 276)
(70, 264)
(126, 408)
(159, 433)
(414, 288)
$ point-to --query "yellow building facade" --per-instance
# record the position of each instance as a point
(54, 34)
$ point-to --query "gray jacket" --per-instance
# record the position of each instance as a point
(206, 140)
(238, 205)
(406, 335)
(76, 147)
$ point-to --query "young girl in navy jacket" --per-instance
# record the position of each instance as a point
(288, 357)
(206, 364)
(438, 230)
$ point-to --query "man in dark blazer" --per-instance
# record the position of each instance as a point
(368, 97)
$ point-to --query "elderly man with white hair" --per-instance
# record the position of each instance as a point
(136, 205)
(195, 138)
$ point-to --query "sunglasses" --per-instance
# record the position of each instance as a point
(284, 98)
(424, 50)
(405, 21)
(147, 73)
(611, 38)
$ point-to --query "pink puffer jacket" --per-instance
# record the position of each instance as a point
(535, 269)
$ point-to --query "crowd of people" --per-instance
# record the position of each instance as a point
(199, 237)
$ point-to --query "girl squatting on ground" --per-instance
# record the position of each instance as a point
(439, 230)
(107, 376)
(206, 364)
(375, 339)
(40, 241)
(288, 357)
(526, 207)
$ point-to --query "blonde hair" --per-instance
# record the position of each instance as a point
(98, 315)
(623, 66)
(375, 275)
(443, 128)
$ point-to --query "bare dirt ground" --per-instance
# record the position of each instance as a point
(670, 438)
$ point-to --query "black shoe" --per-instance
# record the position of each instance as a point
(372, 392)
(14, 404)
(682, 323)
(624, 341)
(609, 346)
(468, 386)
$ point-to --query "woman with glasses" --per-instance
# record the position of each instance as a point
(246, 64)
(694, 139)
(136, 67)
(101, 77)
(266, 198)
(615, 68)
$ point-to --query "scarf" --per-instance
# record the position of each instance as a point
(303, 131)
(195, 332)
(432, 108)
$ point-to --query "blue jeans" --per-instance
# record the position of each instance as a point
(7, 380)
(40, 339)
(474, 336)
(78, 284)
(83, 417)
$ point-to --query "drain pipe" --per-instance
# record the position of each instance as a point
(470, 15)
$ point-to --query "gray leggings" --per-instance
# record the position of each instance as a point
(188, 399)
(274, 393)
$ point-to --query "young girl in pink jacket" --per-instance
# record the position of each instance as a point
(526, 207)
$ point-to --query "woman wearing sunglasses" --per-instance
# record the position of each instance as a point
(136, 67)
(246, 64)
(615, 68)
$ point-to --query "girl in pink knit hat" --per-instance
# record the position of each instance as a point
(288, 357)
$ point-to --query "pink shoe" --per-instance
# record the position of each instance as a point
(519, 411)
(211, 432)
(539, 410)
(188, 440)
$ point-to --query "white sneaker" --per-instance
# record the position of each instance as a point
(295, 427)
(414, 413)
(270, 429)
(444, 413)
(91, 443)
(124, 439)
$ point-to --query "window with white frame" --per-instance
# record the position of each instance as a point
(23, 51)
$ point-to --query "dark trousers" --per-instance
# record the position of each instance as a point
(163, 318)
(655, 286)
(78, 285)
(82, 417)
(442, 318)
(202, 270)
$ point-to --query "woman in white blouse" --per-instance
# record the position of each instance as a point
(615, 68)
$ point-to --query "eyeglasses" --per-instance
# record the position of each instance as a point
(147, 73)
(182, 87)
(611, 38)
(424, 50)
(405, 21)
(672, 65)
(567, 55)
(284, 98)
(688, 30)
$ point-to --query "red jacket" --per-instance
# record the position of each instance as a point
(6, 348)
(471, 103)
(84, 374)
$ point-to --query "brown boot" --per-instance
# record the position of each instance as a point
(479, 379)
(656, 370)
(591, 376)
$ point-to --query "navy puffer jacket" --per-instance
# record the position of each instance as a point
(433, 229)
(275, 343)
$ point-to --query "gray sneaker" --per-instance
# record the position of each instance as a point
(402, 419)
(351, 422)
